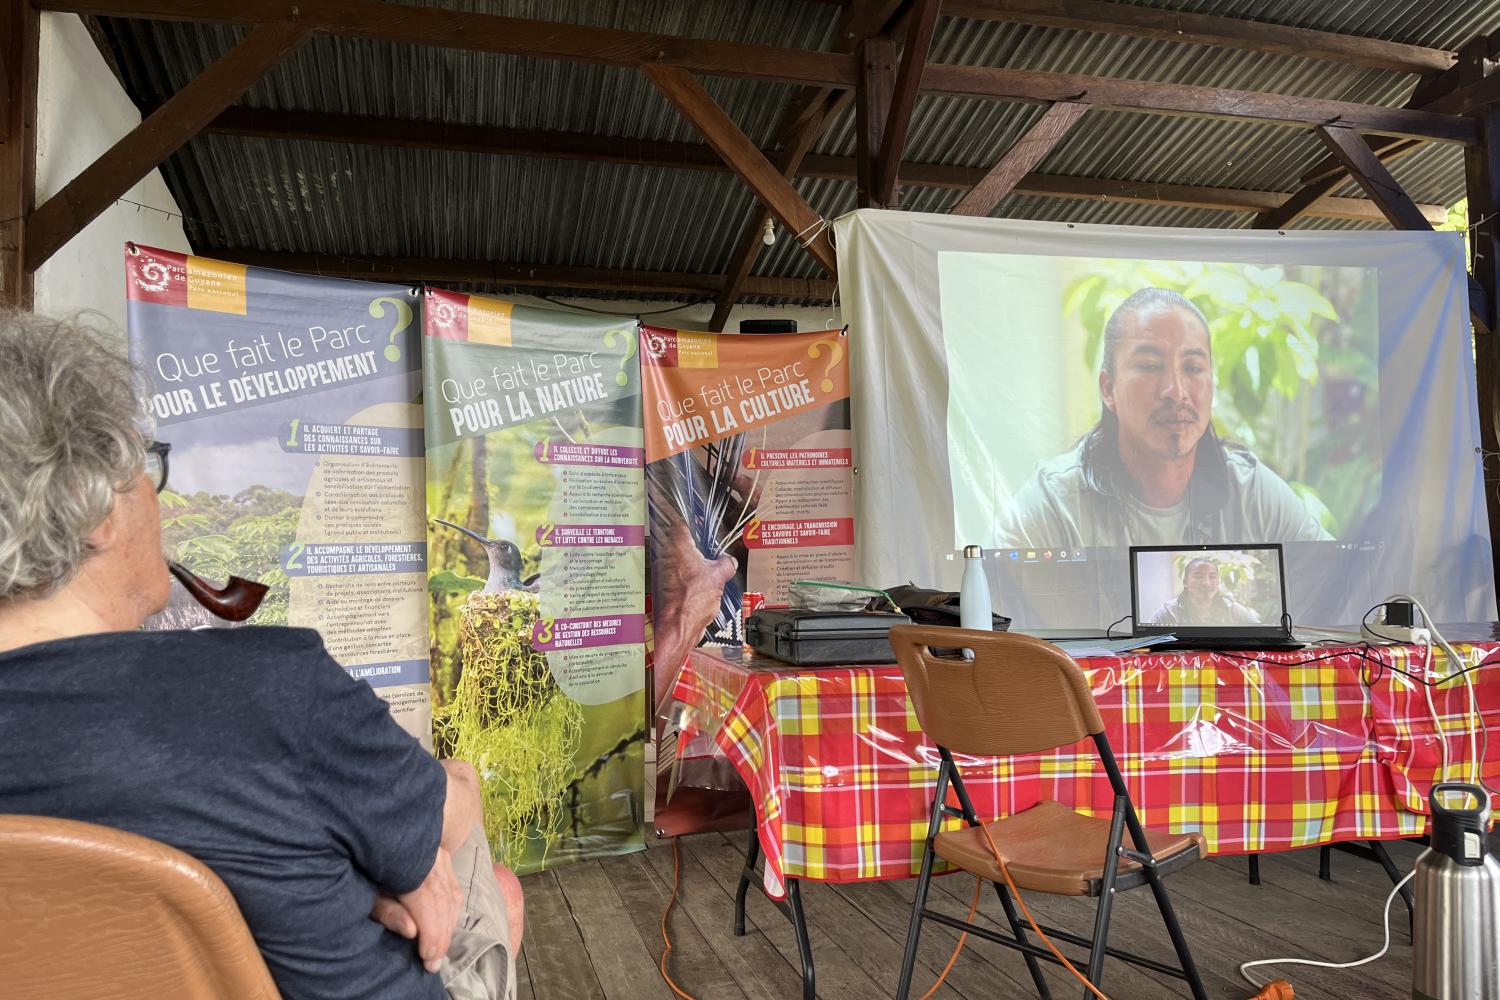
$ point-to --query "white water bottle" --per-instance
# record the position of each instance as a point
(974, 593)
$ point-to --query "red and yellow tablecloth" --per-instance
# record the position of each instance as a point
(1271, 753)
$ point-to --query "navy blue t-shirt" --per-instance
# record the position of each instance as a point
(253, 751)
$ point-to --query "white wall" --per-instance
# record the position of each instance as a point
(81, 111)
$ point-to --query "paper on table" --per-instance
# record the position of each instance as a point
(1110, 647)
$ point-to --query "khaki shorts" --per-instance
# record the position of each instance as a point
(479, 965)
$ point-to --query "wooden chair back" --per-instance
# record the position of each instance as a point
(88, 912)
(1017, 695)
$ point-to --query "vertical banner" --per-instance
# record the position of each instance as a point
(751, 489)
(537, 509)
(291, 405)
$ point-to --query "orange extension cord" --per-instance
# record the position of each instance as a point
(974, 906)
(1278, 990)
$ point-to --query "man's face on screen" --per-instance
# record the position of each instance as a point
(1202, 582)
(1162, 389)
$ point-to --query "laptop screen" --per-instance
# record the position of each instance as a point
(1207, 589)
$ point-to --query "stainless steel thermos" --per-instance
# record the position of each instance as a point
(1456, 931)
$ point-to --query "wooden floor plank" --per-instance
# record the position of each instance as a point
(553, 944)
(1128, 930)
(982, 969)
(1356, 893)
(692, 963)
(622, 962)
(1248, 924)
(523, 978)
(838, 975)
(593, 932)
(759, 970)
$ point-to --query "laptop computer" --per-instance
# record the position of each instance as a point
(1210, 596)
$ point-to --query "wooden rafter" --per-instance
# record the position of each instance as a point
(903, 99)
(410, 134)
(1365, 167)
(1183, 99)
(516, 36)
(1388, 148)
(1043, 136)
(458, 29)
(1206, 29)
(1301, 201)
(1386, 192)
(789, 162)
(1439, 92)
(158, 137)
(19, 33)
(775, 191)
(493, 274)
(807, 117)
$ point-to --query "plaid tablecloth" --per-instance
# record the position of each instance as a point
(1266, 753)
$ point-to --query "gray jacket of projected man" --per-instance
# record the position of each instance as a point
(1085, 497)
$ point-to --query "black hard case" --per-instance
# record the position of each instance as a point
(811, 638)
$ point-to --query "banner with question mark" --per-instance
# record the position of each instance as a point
(290, 405)
(751, 488)
(537, 513)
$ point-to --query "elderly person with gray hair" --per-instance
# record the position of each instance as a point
(358, 860)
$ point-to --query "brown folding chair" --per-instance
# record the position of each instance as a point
(1021, 695)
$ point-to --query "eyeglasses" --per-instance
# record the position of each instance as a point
(156, 463)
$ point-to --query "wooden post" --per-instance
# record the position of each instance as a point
(920, 25)
(19, 38)
(1482, 180)
(872, 103)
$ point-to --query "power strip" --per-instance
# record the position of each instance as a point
(1402, 610)
(1397, 633)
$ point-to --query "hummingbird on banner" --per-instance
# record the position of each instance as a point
(505, 562)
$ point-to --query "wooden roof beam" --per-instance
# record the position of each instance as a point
(1207, 29)
(479, 272)
(789, 162)
(491, 140)
(903, 101)
(543, 39)
(183, 116)
(806, 118)
(742, 156)
(1043, 136)
(1365, 167)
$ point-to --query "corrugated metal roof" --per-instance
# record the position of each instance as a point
(366, 201)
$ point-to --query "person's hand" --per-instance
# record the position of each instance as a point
(689, 589)
(393, 916)
(434, 906)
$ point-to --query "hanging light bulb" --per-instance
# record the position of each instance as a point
(768, 232)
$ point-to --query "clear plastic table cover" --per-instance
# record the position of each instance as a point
(1263, 752)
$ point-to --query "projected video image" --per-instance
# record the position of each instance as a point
(1220, 588)
(1098, 402)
